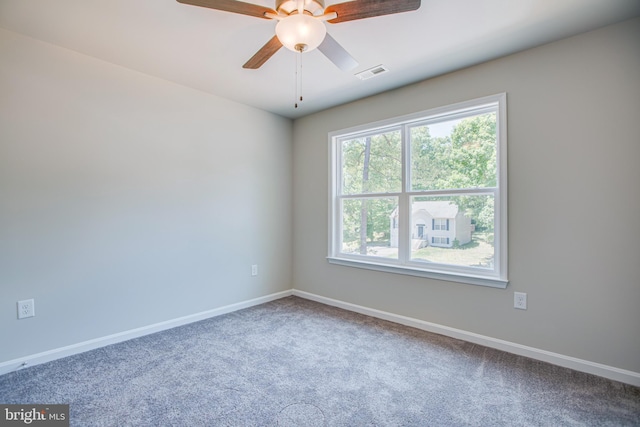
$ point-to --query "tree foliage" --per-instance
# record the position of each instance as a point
(383, 173)
(464, 158)
(371, 164)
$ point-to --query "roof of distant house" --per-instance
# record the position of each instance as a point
(435, 209)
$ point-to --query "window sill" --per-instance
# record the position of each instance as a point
(409, 271)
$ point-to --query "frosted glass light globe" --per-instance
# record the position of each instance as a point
(300, 30)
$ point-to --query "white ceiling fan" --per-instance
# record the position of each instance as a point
(301, 25)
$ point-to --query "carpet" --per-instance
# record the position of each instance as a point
(294, 362)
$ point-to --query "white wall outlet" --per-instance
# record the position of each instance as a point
(26, 308)
(254, 270)
(520, 300)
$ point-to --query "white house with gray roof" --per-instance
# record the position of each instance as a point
(434, 223)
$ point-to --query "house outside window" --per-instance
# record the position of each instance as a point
(424, 194)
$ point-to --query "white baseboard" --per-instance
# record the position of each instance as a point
(610, 372)
(58, 353)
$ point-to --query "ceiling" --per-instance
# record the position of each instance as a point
(205, 49)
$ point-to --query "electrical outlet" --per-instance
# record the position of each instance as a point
(254, 270)
(520, 300)
(26, 308)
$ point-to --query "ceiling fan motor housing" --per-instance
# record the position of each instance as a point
(315, 7)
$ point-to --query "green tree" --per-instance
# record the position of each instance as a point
(370, 164)
(466, 158)
(364, 223)
(473, 165)
(472, 160)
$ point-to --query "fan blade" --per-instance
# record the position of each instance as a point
(337, 54)
(360, 9)
(263, 54)
(232, 6)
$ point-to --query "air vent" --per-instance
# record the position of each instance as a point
(372, 72)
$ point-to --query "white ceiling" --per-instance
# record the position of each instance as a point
(205, 49)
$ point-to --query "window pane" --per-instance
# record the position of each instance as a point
(456, 230)
(369, 226)
(454, 154)
(372, 164)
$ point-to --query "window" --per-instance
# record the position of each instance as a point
(440, 224)
(440, 240)
(424, 194)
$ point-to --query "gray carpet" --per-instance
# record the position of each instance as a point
(294, 362)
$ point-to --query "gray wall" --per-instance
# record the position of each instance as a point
(574, 201)
(126, 200)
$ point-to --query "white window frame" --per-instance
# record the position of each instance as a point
(498, 277)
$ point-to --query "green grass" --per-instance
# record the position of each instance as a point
(477, 253)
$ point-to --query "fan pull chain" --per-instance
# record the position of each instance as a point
(298, 94)
(297, 79)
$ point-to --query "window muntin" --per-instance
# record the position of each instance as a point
(439, 177)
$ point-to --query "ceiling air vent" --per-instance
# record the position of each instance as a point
(372, 72)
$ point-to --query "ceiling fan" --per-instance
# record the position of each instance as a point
(301, 26)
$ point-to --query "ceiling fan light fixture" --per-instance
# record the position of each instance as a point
(299, 30)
